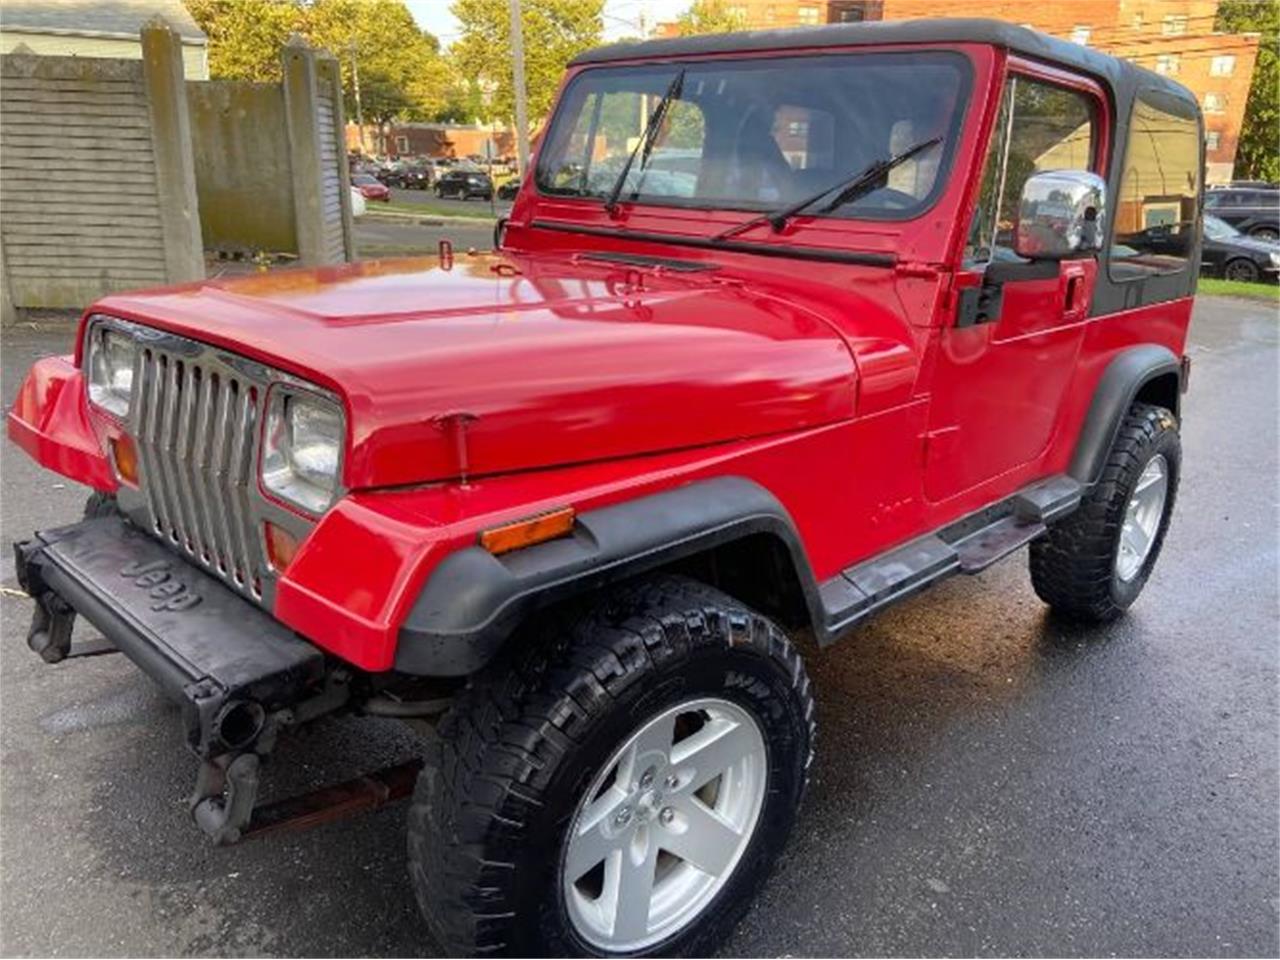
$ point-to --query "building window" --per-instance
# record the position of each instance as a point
(1167, 63)
(1173, 26)
(1214, 103)
(1223, 66)
(807, 15)
(1138, 21)
(1080, 34)
(402, 144)
(1211, 140)
(770, 13)
(737, 10)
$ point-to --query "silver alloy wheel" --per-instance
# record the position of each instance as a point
(663, 825)
(1142, 518)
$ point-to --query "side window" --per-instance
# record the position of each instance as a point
(1156, 212)
(1040, 127)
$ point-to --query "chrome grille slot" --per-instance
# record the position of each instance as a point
(196, 423)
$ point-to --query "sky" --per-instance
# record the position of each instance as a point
(621, 17)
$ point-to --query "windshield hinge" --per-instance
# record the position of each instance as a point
(917, 268)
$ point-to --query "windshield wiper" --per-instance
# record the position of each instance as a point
(850, 189)
(645, 145)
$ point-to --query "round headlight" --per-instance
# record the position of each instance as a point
(303, 449)
(1275, 259)
(111, 359)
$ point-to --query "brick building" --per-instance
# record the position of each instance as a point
(432, 140)
(1174, 37)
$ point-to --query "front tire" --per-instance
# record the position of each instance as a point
(579, 779)
(1092, 565)
(1242, 270)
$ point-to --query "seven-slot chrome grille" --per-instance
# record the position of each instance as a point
(196, 425)
(195, 415)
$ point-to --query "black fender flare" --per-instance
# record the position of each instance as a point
(1125, 376)
(473, 600)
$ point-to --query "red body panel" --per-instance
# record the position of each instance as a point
(846, 390)
(51, 421)
(552, 360)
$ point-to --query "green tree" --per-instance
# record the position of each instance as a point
(245, 36)
(402, 74)
(554, 31)
(1258, 155)
(709, 16)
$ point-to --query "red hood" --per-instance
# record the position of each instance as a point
(558, 360)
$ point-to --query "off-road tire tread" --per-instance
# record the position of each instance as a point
(496, 745)
(1072, 566)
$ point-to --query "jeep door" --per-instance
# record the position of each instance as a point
(1000, 374)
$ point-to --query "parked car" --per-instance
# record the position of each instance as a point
(508, 190)
(358, 206)
(464, 184)
(1251, 210)
(1231, 254)
(411, 176)
(371, 188)
(1252, 184)
(564, 503)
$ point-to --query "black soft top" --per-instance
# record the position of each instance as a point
(1121, 75)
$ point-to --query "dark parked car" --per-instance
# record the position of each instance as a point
(465, 184)
(416, 177)
(509, 189)
(1252, 211)
(1229, 253)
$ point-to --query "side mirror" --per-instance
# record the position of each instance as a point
(1062, 214)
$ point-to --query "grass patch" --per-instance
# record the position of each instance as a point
(1217, 287)
(481, 211)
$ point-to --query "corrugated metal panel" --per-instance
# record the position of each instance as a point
(330, 177)
(77, 181)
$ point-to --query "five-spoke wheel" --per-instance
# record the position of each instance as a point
(664, 824)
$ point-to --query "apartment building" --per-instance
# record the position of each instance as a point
(1174, 37)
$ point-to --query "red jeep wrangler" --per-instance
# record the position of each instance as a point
(784, 327)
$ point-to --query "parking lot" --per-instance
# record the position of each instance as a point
(988, 781)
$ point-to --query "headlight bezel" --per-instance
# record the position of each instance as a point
(303, 496)
(101, 337)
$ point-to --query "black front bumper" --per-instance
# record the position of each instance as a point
(225, 661)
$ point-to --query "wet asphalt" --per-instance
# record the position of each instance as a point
(988, 781)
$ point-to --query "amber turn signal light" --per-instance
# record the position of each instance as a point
(527, 532)
(282, 546)
(125, 457)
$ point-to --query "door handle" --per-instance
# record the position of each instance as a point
(1074, 285)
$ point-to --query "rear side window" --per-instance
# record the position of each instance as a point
(1156, 212)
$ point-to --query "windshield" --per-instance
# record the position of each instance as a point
(758, 134)
(1217, 229)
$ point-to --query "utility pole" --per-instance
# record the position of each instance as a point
(355, 81)
(522, 116)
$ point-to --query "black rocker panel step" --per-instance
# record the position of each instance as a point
(967, 545)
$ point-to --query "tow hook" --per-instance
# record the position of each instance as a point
(50, 632)
(226, 789)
